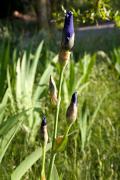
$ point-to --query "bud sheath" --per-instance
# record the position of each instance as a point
(53, 91)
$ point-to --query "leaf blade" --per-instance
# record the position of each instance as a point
(28, 162)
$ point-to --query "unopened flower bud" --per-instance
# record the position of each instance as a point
(71, 113)
(68, 32)
(43, 130)
(53, 91)
(67, 38)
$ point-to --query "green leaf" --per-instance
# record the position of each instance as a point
(117, 67)
(66, 93)
(71, 77)
(60, 147)
(3, 106)
(83, 124)
(26, 164)
(10, 122)
(4, 61)
(5, 142)
(8, 130)
(18, 81)
(54, 175)
(97, 110)
(87, 66)
(44, 79)
(34, 66)
(61, 141)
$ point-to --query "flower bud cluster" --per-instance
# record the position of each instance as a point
(67, 44)
(71, 113)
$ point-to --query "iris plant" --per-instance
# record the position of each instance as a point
(67, 44)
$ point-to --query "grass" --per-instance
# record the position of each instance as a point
(93, 150)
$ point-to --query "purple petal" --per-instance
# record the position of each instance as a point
(44, 122)
(74, 98)
(68, 25)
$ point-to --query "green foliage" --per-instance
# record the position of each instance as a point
(4, 61)
(117, 18)
(86, 122)
(23, 99)
(83, 68)
(55, 175)
(116, 59)
(28, 162)
(93, 146)
(25, 95)
(88, 12)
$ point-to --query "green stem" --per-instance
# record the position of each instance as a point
(43, 161)
(68, 129)
(56, 123)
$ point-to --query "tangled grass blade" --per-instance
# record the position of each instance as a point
(26, 164)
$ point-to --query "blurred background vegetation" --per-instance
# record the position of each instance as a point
(26, 62)
(86, 12)
(22, 20)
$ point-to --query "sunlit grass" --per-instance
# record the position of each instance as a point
(91, 155)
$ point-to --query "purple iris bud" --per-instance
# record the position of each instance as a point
(43, 130)
(44, 122)
(68, 25)
(68, 32)
(74, 98)
(71, 113)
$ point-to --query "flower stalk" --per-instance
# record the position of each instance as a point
(43, 162)
(53, 154)
(44, 138)
(71, 116)
(67, 44)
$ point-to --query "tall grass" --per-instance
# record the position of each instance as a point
(92, 151)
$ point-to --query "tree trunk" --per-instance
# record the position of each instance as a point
(42, 9)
